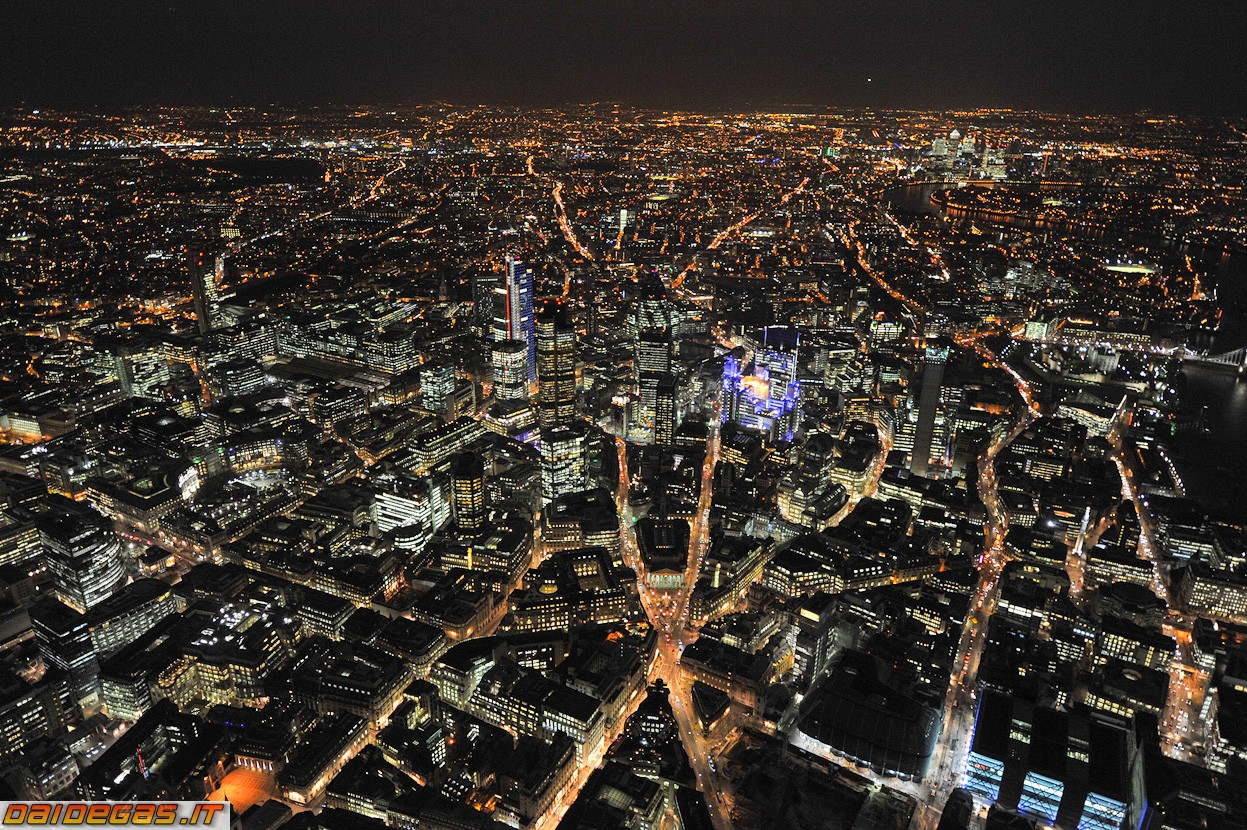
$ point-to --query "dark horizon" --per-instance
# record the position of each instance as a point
(695, 55)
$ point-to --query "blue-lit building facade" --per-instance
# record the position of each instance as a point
(1073, 770)
(514, 318)
(765, 397)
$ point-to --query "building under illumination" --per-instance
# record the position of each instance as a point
(83, 556)
(556, 364)
(511, 369)
(564, 460)
(513, 310)
(205, 270)
(467, 484)
(1073, 770)
(766, 396)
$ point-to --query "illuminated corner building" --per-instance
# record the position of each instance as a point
(1211, 593)
(730, 567)
(19, 537)
(514, 419)
(44, 769)
(564, 460)
(432, 448)
(142, 368)
(616, 797)
(1073, 770)
(236, 377)
(370, 787)
(509, 359)
(128, 614)
(513, 310)
(535, 774)
(571, 588)
(204, 271)
(391, 351)
(467, 485)
(503, 552)
(83, 556)
(556, 364)
(589, 518)
(339, 405)
(1227, 739)
(928, 408)
(766, 398)
(229, 658)
(354, 678)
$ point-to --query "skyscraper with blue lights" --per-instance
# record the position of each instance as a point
(513, 310)
(766, 397)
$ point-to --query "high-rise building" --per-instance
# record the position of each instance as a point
(653, 351)
(83, 556)
(767, 397)
(467, 482)
(510, 364)
(437, 386)
(205, 270)
(513, 310)
(665, 410)
(928, 408)
(63, 637)
(564, 460)
(483, 285)
(28, 714)
(128, 614)
(653, 310)
(410, 505)
(556, 364)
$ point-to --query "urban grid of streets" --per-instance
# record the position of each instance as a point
(668, 610)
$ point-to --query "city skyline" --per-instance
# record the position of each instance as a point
(487, 467)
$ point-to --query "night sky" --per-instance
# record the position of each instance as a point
(1089, 56)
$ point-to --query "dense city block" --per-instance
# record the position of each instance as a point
(458, 467)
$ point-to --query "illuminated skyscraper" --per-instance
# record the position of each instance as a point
(564, 460)
(63, 637)
(467, 482)
(928, 406)
(511, 372)
(556, 364)
(437, 386)
(484, 284)
(513, 310)
(767, 397)
(654, 310)
(83, 556)
(205, 270)
(653, 351)
(665, 411)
